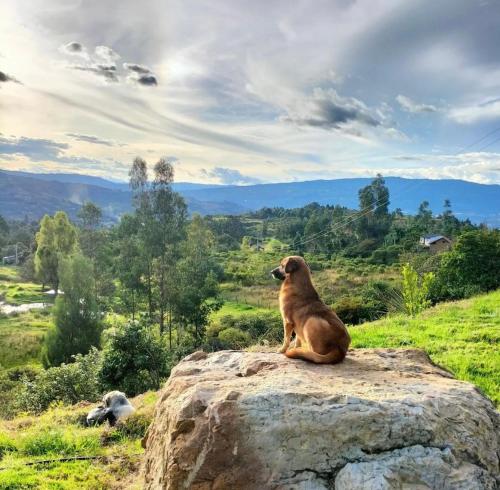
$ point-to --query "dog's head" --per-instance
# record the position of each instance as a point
(288, 266)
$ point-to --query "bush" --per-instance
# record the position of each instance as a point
(387, 255)
(68, 383)
(234, 338)
(380, 297)
(470, 267)
(352, 310)
(255, 327)
(416, 289)
(135, 360)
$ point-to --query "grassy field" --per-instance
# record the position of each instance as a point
(21, 334)
(30, 448)
(462, 336)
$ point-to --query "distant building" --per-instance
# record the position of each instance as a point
(435, 243)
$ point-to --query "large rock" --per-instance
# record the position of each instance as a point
(383, 419)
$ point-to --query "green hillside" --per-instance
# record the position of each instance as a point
(462, 336)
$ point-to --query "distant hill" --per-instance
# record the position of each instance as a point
(478, 202)
(99, 181)
(29, 195)
(26, 194)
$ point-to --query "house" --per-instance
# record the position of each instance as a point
(435, 243)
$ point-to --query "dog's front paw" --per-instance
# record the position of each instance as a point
(282, 350)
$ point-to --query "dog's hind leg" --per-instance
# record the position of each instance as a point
(333, 357)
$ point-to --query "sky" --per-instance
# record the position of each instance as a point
(243, 92)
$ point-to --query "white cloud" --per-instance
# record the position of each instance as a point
(486, 111)
(410, 105)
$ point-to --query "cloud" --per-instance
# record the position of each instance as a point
(106, 53)
(488, 110)
(107, 72)
(41, 150)
(90, 139)
(34, 148)
(229, 176)
(74, 48)
(409, 105)
(140, 74)
(103, 64)
(328, 110)
(7, 78)
(136, 68)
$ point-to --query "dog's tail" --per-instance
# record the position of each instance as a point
(333, 357)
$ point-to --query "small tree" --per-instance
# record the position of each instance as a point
(55, 241)
(135, 360)
(76, 316)
(416, 289)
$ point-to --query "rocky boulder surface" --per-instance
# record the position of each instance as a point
(382, 419)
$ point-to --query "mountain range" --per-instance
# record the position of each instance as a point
(31, 195)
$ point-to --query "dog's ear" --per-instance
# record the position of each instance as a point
(291, 265)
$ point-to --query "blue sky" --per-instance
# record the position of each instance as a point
(244, 92)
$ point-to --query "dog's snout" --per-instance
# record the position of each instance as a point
(277, 273)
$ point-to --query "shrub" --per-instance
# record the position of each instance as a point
(234, 338)
(7, 445)
(352, 310)
(380, 297)
(135, 360)
(68, 383)
(416, 289)
(255, 326)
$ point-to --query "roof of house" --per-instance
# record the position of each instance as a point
(435, 238)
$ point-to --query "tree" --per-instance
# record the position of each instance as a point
(55, 241)
(76, 316)
(135, 359)
(450, 223)
(198, 278)
(4, 231)
(169, 212)
(90, 216)
(374, 219)
(416, 289)
(471, 266)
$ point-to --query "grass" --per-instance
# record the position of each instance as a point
(21, 334)
(234, 308)
(21, 337)
(15, 291)
(462, 336)
(60, 432)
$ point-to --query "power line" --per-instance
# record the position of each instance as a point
(358, 215)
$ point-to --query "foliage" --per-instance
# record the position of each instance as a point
(135, 359)
(68, 383)
(55, 241)
(470, 267)
(76, 315)
(198, 289)
(416, 289)
(234, 338)
(259, 326)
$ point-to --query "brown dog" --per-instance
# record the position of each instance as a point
(315, 324)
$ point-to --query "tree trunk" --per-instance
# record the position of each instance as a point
(170, 327)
